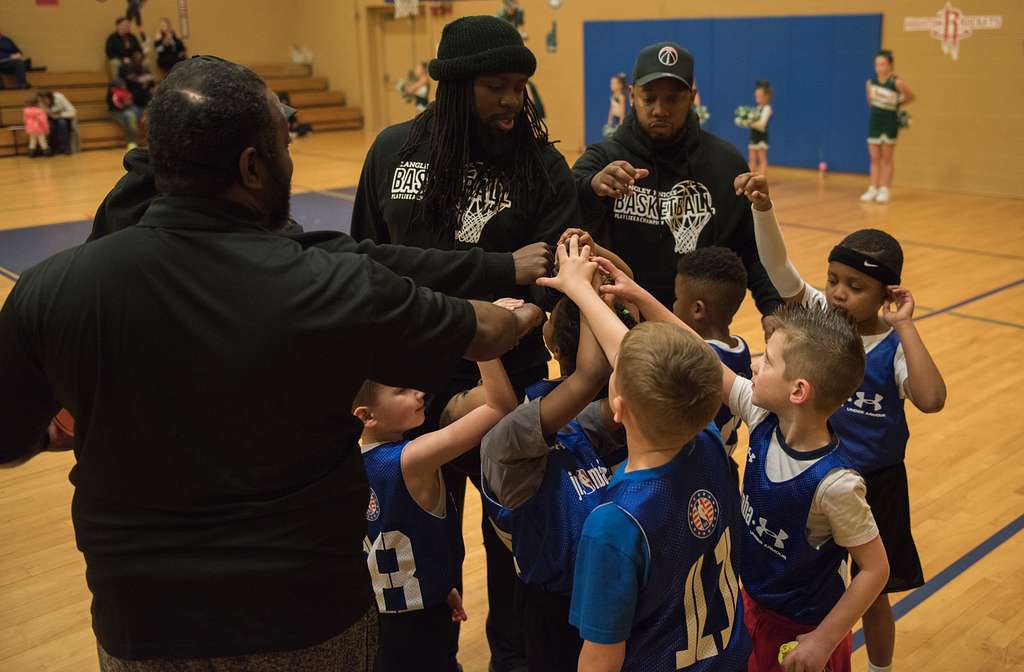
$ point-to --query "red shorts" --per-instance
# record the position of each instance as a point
(770, 631)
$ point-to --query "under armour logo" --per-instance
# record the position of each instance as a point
(876, 402)
(751, 456)
(761, 530)
(668, 56)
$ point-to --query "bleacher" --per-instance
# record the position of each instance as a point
(319, 106)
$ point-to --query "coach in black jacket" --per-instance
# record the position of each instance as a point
(468, 274)
(661, 186)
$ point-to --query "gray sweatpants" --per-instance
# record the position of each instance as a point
(353, 650)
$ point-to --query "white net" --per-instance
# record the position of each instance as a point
(404, 8)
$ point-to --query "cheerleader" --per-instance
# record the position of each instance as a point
(617, 106)
(886, 92)
(757, 147)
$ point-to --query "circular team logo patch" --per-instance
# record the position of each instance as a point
(668, 56)
(373, 509)
(702, 514)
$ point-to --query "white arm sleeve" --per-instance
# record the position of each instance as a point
(771, 248)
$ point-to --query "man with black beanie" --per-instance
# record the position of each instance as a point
(661, 186)
(475, 169)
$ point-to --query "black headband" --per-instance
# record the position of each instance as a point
(869, 266)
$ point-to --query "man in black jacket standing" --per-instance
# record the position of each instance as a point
(210, 363)
(475, 169)
(661, 186)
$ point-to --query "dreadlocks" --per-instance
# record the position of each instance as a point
(448, 126)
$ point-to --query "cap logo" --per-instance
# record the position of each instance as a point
(668, 56)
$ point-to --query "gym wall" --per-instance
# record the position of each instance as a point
(70, 36)
(968, 122)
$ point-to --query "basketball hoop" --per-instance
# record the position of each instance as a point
(404, 8)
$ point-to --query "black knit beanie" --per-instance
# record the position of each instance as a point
(481, 45)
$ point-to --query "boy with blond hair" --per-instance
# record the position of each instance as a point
(804, 503)
(651, 592)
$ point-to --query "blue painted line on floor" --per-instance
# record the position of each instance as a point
(972, 299)
(917, 243)
(946, 576)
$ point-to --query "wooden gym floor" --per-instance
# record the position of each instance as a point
(964, 264)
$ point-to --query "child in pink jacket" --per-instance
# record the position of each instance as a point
(37, 125)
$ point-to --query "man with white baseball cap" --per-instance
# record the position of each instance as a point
(661, 186)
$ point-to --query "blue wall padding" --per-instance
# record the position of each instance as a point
(817, 66)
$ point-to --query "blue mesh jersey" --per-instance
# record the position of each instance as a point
(688, 615)
(872, 423)
(541, 388)
(738, 361)
(780, 569)
(414, 556)
(545, 529)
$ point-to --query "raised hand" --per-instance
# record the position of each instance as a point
(531, 262)
(575, 267)
(899, 306)
(617, 179)
(584, 237)
(619, 286)
(509, 304)
(755, 187)
(528, 317)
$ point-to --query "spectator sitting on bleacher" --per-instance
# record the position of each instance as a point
(124, 111)
(121, 44)
(62, 116)
(12, 62)
(37, 127)
(295, 129)
(138, 79)
(169, 47)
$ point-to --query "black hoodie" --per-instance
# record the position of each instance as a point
(387, 210)
(687, 201)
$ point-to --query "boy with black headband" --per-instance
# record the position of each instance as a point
(864, 272)
(475, 169)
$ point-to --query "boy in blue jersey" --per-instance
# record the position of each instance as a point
(545, 467)
(864, 276)
(414, 544)
(710, 285)
(804, 504)
(666, 532)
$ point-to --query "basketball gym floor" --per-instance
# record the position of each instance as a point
(964, 265)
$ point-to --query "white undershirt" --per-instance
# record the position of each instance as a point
(839, 509)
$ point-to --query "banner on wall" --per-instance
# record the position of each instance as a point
(950, 26)
(404, 8)
(183, 28)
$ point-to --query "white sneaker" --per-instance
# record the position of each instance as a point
(883, 195)
(870, 195)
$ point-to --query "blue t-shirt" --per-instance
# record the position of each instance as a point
(613, 556)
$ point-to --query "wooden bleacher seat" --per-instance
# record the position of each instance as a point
(324, 109)
(274, 70)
